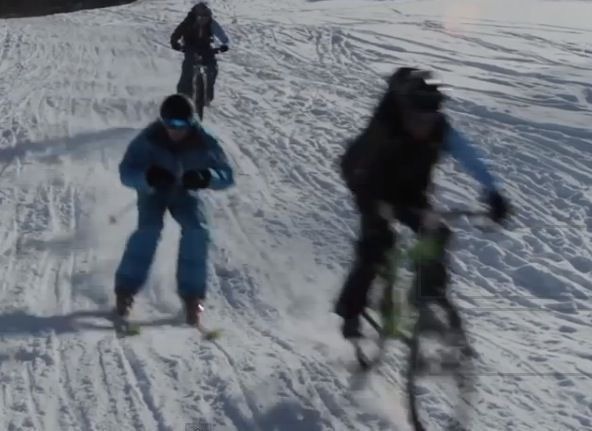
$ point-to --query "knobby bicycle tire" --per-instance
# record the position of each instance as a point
(462, 372)
(199, 93)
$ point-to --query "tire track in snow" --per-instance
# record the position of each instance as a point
(71, 387)
(115, 382)
(141, 382)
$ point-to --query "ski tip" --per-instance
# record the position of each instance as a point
(212, 335)
(127, 332)
(134, 330)
(128, 328)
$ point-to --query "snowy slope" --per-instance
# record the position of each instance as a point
(300, 79)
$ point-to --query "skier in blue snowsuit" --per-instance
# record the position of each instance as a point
(197, 32)
(390, 164)
(167, 164)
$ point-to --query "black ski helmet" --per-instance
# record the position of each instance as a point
(416, 89)
(179, 108)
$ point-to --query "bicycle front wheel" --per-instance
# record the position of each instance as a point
(200, 94)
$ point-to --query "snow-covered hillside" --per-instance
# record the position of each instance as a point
(301, 77)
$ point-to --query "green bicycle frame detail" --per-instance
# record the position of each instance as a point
(397, 314)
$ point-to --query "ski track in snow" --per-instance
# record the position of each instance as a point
(301, 79)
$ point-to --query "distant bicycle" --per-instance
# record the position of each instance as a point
(199, 83)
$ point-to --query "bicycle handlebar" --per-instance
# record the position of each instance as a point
(447, 214)
(216, 50)
(460, 212)
(457, 213)
(430, 217)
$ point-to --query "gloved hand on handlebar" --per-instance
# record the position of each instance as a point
(176, 46)
(223, 48)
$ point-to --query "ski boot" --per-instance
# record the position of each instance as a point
(351, 328)
(123, 303)
(351, 323)
(193, 309)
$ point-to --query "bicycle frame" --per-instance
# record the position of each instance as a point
(199, 83)
(401, 320)
(425, 248)
(397, 316)
(199, 80)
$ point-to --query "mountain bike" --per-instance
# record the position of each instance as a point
(199, 82)
(398, 313)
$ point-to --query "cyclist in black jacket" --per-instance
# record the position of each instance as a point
(389, 165)
(197, 32)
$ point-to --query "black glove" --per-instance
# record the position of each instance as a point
(193, 180)
(176, 46)
(159, 178)
(498, 207)
(223, 48)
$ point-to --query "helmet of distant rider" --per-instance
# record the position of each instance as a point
(202, 12)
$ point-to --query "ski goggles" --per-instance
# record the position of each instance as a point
(176, 123)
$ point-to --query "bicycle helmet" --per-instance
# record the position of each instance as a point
(202, 10)
(416, 89)
(177, 112)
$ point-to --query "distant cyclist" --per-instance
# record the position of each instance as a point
(197, 32)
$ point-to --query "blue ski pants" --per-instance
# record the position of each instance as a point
(141, 246)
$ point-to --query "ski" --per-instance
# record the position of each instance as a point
(208, 333)
(123, 327)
